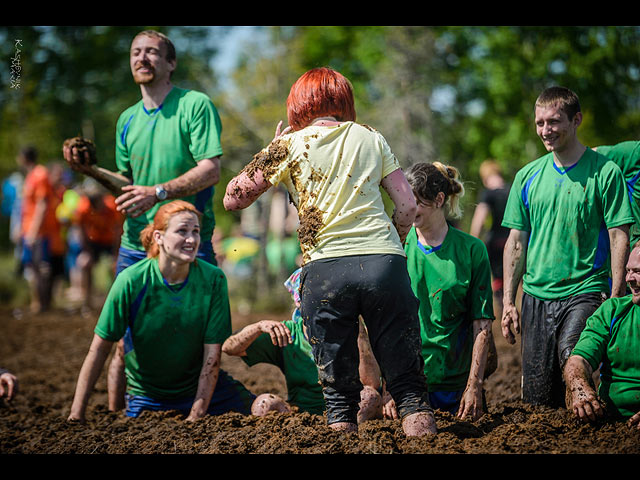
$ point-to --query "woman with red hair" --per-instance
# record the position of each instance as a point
(173, 313)
(353, 260)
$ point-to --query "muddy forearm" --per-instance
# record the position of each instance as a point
(399, 190)
(481, 329)
(207, 382)
(578, 378)
(513, 264)
(205, 174)
(237, 344)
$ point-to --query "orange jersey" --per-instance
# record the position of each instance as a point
(37, 188)
(102, 225)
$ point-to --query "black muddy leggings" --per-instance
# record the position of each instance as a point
(334, 293)
(550, 330)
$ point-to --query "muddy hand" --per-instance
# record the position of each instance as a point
(510, 317)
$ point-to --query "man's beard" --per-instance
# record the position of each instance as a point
(144, 78)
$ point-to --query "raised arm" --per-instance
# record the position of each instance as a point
(89, 373)
(110, 180)
(237, 344)
(244, 189)
(396, 185)
(515, 254)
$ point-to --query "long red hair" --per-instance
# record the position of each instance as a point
(320, 92)
(161, 222)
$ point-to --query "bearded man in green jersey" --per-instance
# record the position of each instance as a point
(167, 147)
(569, 218)
(609, 342)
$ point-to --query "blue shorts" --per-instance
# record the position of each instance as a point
(446, 401)
(37, 253)
(128, 257)
(229, 396)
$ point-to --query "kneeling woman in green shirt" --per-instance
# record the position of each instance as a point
(173, 313)
(451, 276)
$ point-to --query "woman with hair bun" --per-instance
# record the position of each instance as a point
(173, 313)
(353, 261)
(451, 276)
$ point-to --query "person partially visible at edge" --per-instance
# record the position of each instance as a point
(353, 260)
(39, 226)
(8, 384)
(627, 156)
(451, 276)
(569, 218)
(286, 345)
(609, 343)
(491, 204)
(167, 147)
(173, 313)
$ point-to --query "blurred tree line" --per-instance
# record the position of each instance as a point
(455, 94)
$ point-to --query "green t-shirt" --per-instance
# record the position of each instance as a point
(627, 156)
(296, 363)
(453, 283)
(153, 147)
(165, 327)
(567, 213)
(611, 336)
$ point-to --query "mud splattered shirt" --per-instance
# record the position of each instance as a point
(333, 176)
(453, 283)
(567, 213)
(165, 326)
(158, 145)
(611, 337)
(627, 156)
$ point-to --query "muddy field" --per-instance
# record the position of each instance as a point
(46, 353)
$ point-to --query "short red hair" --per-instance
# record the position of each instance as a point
(320, 92)
(161, 222)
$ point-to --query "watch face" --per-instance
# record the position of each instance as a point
(161, 193)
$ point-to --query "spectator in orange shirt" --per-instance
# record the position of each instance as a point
(38, 224)
(101, 226)
(57, 239)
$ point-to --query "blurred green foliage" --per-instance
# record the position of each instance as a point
(458, 94)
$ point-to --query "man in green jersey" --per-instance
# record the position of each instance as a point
(569, 218)
(627, 156)
(610, 342)
(168, 147)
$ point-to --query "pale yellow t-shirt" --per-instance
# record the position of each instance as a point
(333, 175)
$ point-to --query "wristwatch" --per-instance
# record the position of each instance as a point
(161, 193)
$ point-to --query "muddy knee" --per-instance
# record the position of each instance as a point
(370, 404)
